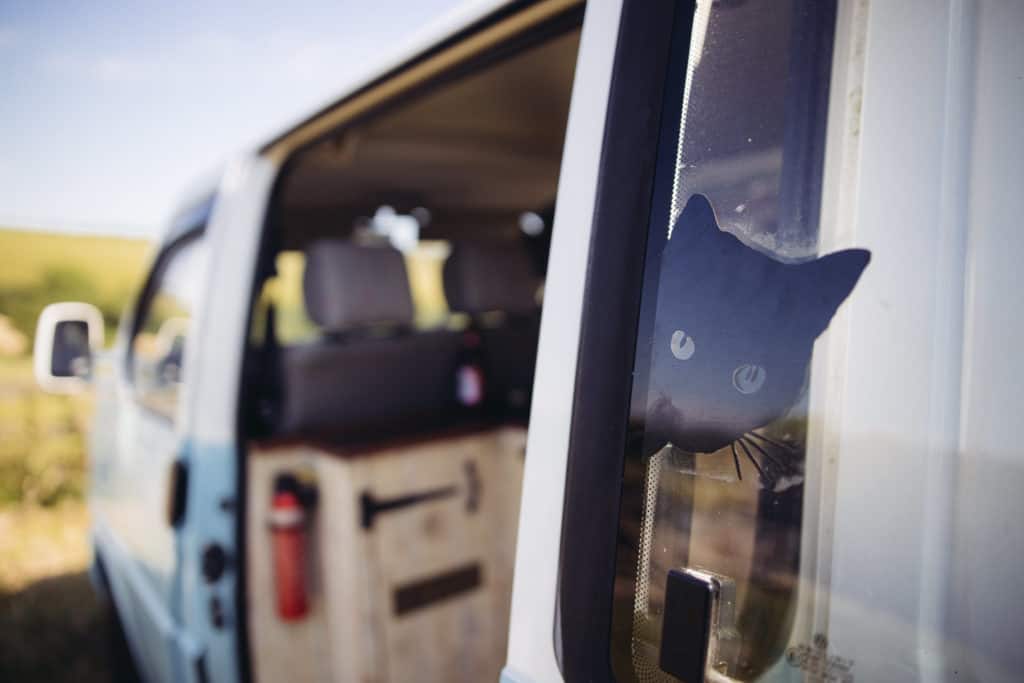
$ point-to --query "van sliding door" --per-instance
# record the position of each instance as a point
(790, 453)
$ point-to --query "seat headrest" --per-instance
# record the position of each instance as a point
(348, 285)
(484, 276)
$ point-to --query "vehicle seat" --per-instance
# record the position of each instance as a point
(370, 374)
(495, 285)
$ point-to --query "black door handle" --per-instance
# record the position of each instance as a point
(372, 506)
(177, 492)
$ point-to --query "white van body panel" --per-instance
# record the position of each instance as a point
(936, 157)
(234, 232)
(531, 653)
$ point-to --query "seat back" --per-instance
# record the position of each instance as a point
(370, 375)
(495, 285)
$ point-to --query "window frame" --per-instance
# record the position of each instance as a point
(636, 124)
(188, 228)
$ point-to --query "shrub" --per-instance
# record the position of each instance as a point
(42, 449)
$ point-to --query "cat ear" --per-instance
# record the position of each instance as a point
(826, 282)
(697, 219)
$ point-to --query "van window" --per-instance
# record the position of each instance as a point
(158, 345)
(293, 325)
(735, 294)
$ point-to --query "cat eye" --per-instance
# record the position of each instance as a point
(682, 345)
(749, 378)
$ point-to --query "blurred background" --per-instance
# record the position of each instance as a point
(110, 112)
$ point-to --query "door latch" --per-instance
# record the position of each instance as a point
(177, 493)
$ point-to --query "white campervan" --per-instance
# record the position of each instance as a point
(635, 341)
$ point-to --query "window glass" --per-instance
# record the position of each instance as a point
(822, 473)
(158, 347)
(735, 295)
(70, 353)
(283, 291)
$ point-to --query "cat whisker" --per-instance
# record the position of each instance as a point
(750, 457)
(778, 444)
(736, 461)
(765, 454)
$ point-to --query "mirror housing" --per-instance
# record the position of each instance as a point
(67, 336)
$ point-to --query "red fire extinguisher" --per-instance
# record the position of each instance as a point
(288, 538)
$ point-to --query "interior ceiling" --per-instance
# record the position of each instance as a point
(487, 143)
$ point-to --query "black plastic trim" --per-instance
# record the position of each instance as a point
(427, 592)
(636, 119)
(177, 493)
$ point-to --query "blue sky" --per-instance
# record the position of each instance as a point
(109, 111)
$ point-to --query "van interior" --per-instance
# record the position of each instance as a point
(388, 375)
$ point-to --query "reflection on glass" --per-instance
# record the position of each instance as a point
(70, 348)
(158, 348)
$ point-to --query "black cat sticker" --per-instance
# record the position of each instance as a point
(733, 335)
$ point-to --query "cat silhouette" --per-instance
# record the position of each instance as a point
(733, 333)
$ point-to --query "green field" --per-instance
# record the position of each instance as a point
(37, 268)
(111, 263)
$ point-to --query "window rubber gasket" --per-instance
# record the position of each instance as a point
(641, 127)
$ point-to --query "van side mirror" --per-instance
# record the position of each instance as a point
(67, 335)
